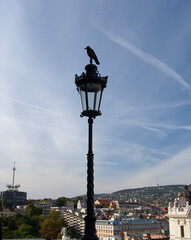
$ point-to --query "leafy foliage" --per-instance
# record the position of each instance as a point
(22, 226)
(61, 201)
(32, 210)
(51, 226)
(34, 225)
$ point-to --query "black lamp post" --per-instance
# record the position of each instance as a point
(90, 86)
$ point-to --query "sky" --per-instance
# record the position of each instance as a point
(142, 138)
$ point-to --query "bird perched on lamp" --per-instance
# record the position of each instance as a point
(92, 55)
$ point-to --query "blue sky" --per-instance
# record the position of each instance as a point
(144, 133)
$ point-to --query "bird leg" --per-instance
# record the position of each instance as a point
(91, 60)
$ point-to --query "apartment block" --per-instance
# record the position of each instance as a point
(110, 228)
(75, 220)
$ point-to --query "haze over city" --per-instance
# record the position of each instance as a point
(144, 134)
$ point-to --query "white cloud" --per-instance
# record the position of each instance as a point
(167, 105)
(170, 126)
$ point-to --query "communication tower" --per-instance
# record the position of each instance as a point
(13, 187)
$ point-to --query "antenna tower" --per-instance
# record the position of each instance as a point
(13, 187)
(157, 182)
(13, 182)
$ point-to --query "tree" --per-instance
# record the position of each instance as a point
(59, 236)
(50, 229)
(6, 233)
(61, 201)
(55, 215)
(32, 210)
(73, 233)
(20, 226)
(25, 231)
(0, 231)
(51, 226)
(3, 202)
(42, 218)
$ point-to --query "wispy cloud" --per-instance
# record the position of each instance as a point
(156, 127)
(146, 57)
(168, 105)
(30, 105)
(171, 126)
(162, 133)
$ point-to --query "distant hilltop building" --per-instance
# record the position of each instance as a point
(12, 196)
(180, 216)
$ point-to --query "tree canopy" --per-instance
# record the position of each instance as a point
(34, 225)
(61, 201)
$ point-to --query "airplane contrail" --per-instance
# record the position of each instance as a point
(30, 105)
(146, 57)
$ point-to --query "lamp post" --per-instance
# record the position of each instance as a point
(90, 86)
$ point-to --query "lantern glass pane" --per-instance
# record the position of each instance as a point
(82, 97)
(91, 100)
(94, 93)
(98, 99)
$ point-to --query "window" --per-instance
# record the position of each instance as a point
(181, 209)
(182, 231)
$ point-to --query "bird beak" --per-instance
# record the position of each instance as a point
(85, 48)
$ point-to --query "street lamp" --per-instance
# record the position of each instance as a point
(90, 86)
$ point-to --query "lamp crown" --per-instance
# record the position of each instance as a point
(91, 70)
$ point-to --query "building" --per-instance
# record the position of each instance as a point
(12, 196)
(45, 204)
(127, 205)
(75, 220)
(6, 213)
(112, 238)
(81, 205)
(70, 205)
(102, 202)
(125, 227)
(179, 214)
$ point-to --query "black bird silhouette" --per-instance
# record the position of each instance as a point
(92, 55)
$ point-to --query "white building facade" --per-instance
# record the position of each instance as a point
(180, 216)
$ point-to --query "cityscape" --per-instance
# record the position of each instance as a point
(142, 213)
(95, 119)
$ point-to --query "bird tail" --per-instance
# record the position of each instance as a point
(96, 60)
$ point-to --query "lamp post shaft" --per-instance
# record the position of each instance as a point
(90, 231)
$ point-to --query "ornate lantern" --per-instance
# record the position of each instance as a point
(90, 86)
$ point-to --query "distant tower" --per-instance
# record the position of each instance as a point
(12, 195)
(13, 187)
(13, 183)
(157, 182)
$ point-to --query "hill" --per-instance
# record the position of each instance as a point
(159, 195)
